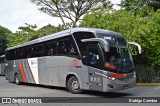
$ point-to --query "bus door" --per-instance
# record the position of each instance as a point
(94, 63)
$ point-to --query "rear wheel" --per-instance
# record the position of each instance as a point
(73, 85)
(17, 79)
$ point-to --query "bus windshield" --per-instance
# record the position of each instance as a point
(119, 58)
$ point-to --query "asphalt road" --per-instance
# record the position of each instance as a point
(8, 89)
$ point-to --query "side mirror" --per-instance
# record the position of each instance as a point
(136, 44)
(100, 40)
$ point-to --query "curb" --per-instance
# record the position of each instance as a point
(147, 84)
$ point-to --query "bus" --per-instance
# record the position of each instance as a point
(78, 59)
(2, 66)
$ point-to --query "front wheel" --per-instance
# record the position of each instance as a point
(73, 85)
(16, 79)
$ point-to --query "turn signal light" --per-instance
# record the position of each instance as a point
(74, 63)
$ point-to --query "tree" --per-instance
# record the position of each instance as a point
(143, 30)
(28, 33)
(3, 39)
(135, 6)
(46, 30)
(27, 29)
(70, 9)
(24, 34)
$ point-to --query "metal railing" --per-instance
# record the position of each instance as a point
(147, 73)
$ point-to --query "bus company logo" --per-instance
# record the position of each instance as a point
(33, 62)
(6, 100)
(14, 64)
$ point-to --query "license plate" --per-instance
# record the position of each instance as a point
(125, 87)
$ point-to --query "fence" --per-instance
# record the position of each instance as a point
(147, 74)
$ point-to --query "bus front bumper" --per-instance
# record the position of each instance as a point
(115, 85)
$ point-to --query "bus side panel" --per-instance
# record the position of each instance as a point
(32, 70)
(20, 67)
(58, 67)
(2, 68)
(11, 69)
(43, 71)
(56, 76)
(96, 82)
(85, 79)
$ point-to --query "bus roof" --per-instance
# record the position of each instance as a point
(65, 33)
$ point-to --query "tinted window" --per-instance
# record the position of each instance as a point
(112, 39)
(93, 56)
(38, 50)
(19, 54)
(7, 54)
(121, 41)
(82, 35)
(50, 48)
(12, 54)
(66, 46)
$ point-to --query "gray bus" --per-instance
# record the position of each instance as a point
(2, 66)
(78, 59)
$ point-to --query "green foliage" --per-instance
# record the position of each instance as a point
(24, 34)
(49, 29)
(26, 29)
(28, 33)
(3, 39)
(15, 39)
(46, 30)
(135, 6)
(143, 30)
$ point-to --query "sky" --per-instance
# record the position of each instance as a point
(15, 13)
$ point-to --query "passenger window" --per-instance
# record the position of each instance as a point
(19, 54)
(28, 51)
(7, 54)
(12, 54)
(67, 46)
(50, 48)
(38, 50)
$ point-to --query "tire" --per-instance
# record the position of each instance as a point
(17, 79)
(73, 85)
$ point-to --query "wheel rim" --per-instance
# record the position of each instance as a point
(75, 85)
(17, 79)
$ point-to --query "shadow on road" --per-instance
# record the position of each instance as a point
(107, 94)
(94, 93)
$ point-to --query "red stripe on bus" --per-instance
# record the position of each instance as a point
(22, 72)
(116, 75)
(31, 71)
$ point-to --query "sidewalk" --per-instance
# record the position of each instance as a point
(147, 84)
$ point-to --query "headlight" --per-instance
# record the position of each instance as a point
(113, 78)
(134, 74)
